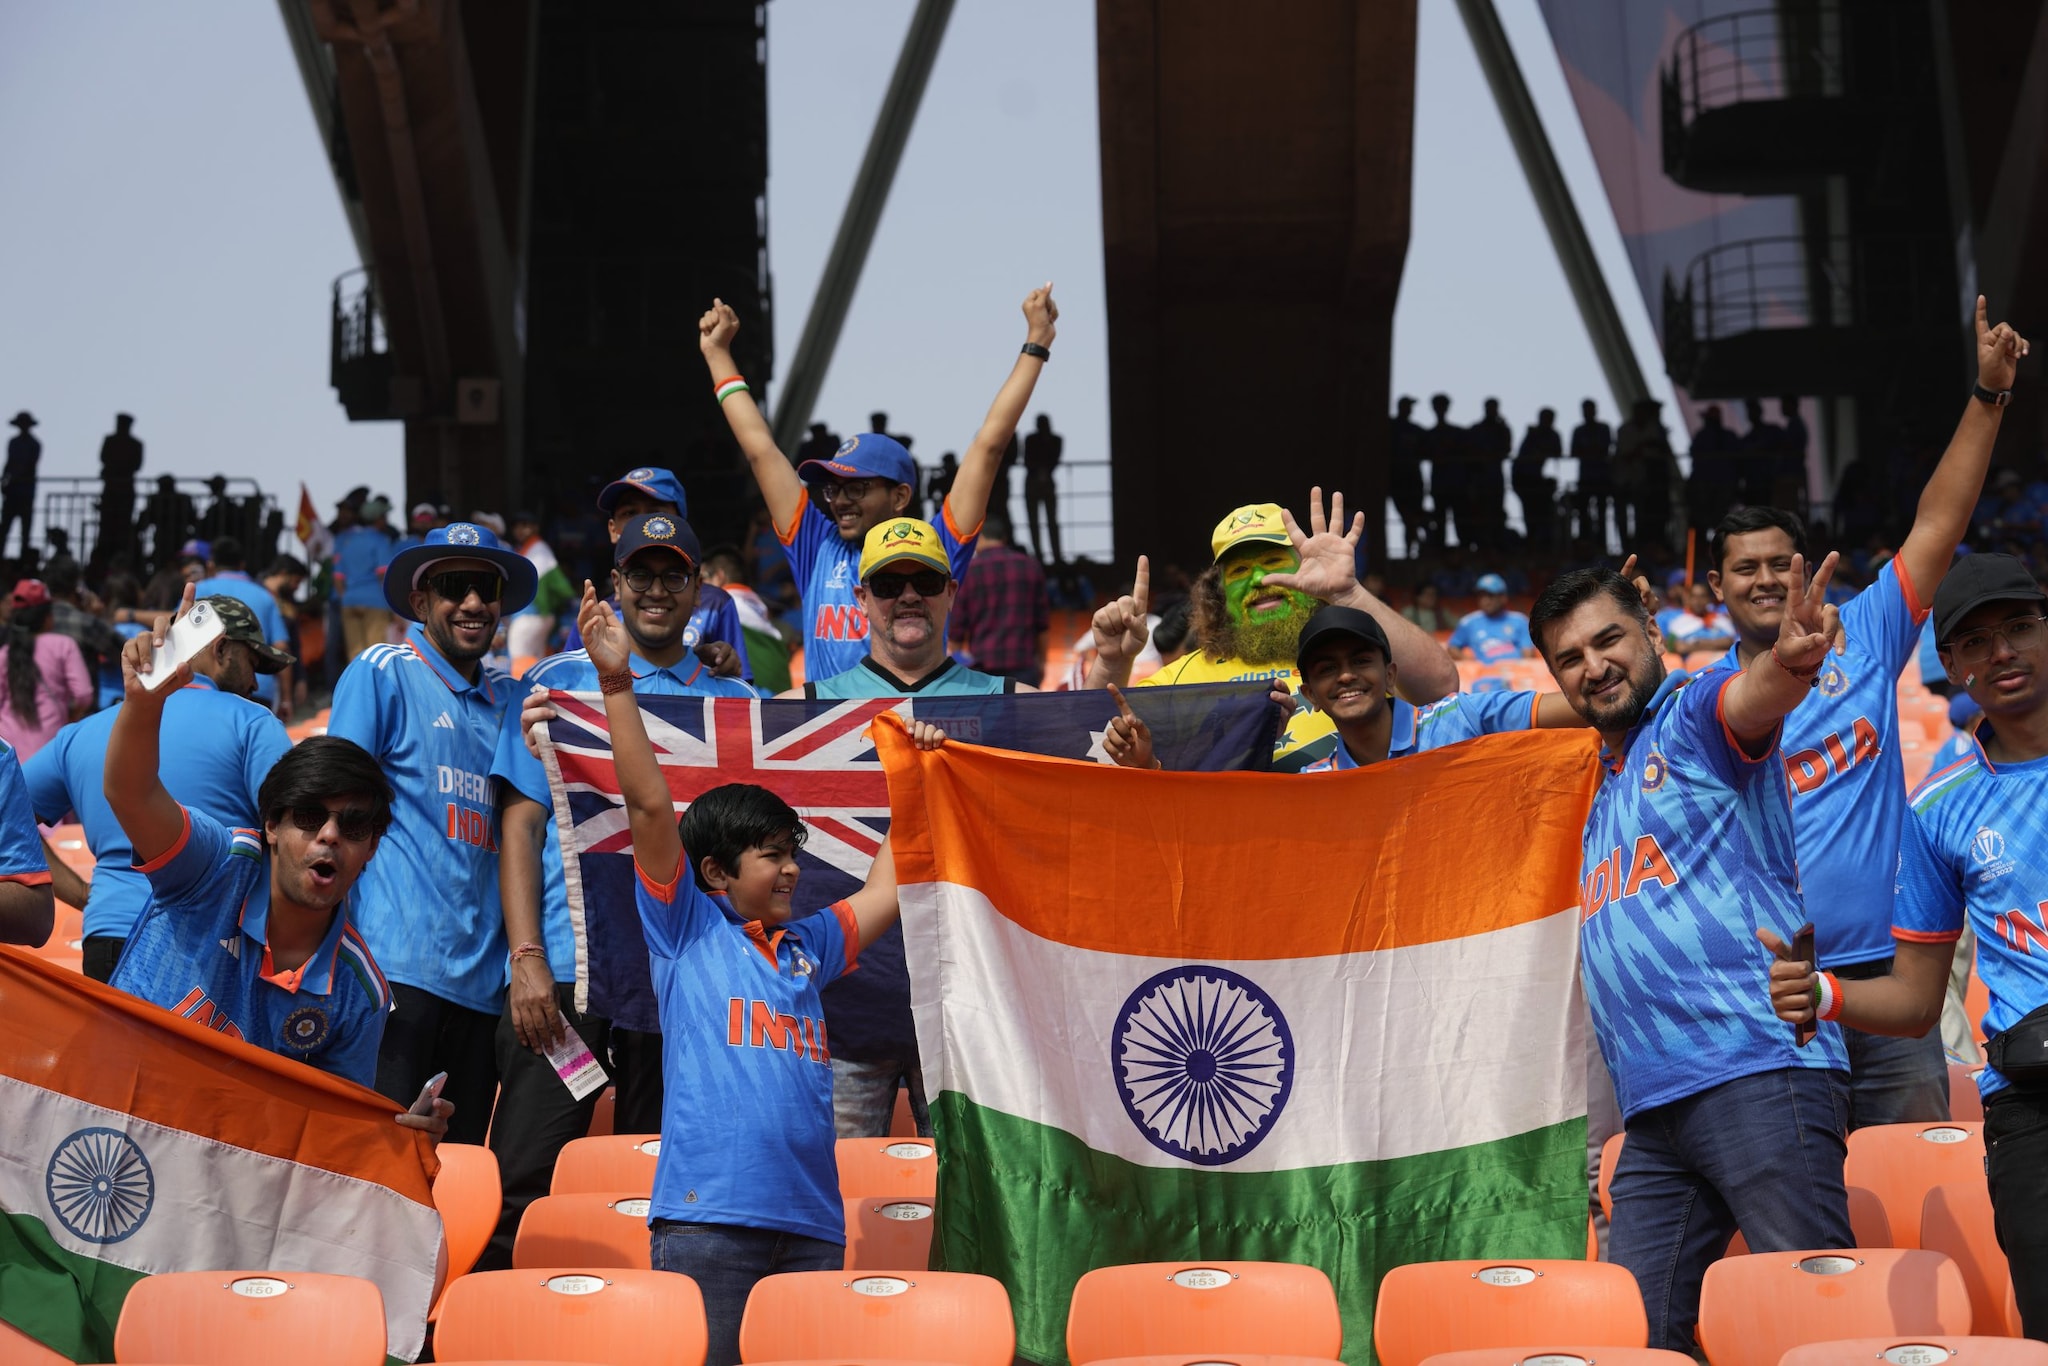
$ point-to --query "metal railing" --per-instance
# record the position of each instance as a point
(1791, 52)
(359, 364)
(1794, 282)
(157, 528)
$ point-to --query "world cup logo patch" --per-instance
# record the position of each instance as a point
(304, 1029)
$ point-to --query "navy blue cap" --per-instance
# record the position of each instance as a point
(459, 541)
(660, 485)
(657, 530)
(1972, 582)
(870, 455)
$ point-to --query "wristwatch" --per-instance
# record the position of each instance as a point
(1034, 349)
(1997, 398)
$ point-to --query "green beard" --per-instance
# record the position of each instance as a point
(1270, 640)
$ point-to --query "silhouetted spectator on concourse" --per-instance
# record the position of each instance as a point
(1449, 472)
(1537, 491)
(1715, 480)
(1789, 489)
(939, 483)
(1404, 475)
(1763, 447)
(1491, 441)
(1644, 473)
(18, 483)
(1593, 449)
(818, 444)
(171, 519)
(1042, 451)
(120, 462)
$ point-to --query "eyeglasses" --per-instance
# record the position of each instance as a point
(672, 580)
(457, 584)
(355, 823)
(855, 489)
(929, 583)
(2022, 633)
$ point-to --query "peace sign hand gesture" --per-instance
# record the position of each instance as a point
(1811, 625)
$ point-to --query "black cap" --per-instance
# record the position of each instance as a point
(1975, 580)
(657, 530)
(1340, 621)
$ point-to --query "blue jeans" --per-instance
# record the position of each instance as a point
(864, 1097)
(726, 1260)
(1896, 1081)
(1761, 1153)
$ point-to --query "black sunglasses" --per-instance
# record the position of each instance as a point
(929, 583)
(355, 823)
(457, 584)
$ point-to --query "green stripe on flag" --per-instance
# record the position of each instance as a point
(1520, 1197)
(67, 1302)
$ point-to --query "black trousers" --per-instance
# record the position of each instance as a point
(425, 1034)
(2016, 1163)
(537, 1117)
(102, 954)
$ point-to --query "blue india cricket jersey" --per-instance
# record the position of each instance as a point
(1688, 850)
(428, 902)
(21, 845)
(1841, 754)
(1493, 639)
(743, 1038)
(202, 950)
(515, 766)
(827, 568)
(1454, 719)
(1976, 846)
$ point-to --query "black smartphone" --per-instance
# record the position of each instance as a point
(1802, 952)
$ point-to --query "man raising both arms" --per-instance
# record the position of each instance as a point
(1841, 749)
(869, 479)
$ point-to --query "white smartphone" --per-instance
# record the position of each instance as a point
(188, 637)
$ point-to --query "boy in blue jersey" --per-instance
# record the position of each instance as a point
(1975, 855)
(755, 1191)
(248, 931)
(215, 752)
(1689, 845)
(655, 583)
(824, 511)
(1842, 749)
(429, 711)
(1493, 633)
(28, 910)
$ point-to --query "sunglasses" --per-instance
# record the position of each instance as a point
(929, 583)
(355, 823)
(457, 584)
(672, 580)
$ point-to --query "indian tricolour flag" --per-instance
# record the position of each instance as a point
(134, 1142)
(1325, 1018)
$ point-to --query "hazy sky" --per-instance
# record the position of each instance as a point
(171, 230)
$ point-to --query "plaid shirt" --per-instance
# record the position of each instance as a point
(1002, 608)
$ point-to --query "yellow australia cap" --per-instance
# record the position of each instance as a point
(903, 538)
(1252, 522)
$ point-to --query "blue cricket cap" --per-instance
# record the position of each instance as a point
(1491, 583)
(870, 455)
(659, 484)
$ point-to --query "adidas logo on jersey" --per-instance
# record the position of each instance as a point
(233, 946)
(442, 722)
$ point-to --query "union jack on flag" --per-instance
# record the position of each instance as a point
(818, 757)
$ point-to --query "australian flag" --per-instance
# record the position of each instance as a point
(817, 756)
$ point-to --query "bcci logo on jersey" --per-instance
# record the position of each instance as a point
(1655, 770)
(1987, 851)
(1833, 682)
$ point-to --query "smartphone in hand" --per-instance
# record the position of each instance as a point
(1802, 951)
(429, 1093)
(189, 636)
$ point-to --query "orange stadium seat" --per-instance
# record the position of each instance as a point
(1956, 1220)
(1215, 1359)
(933, 1316)
(601, 1117)
(19, 1349)
(1152, 1307)
(469, 1196)
(1610, 1153)
(1920, 1347)
(1757, 1308)
(1428, 1308)
(241, 1318)
(1570, 1355)
(868, 1361)
(891, 1168)
(888, 1235)
(609, 1165)
(1902, 1162)
(622, 1318)
(1965, 1101)
(585, 1230)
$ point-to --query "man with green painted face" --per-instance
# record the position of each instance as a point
(1250, 606)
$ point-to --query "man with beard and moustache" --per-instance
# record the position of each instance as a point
(429, 712)
(1842, 749)
(1975, 854)
(250, 931)
(655, 578)
(1687, 849)
(823, 510)
(1249, 610)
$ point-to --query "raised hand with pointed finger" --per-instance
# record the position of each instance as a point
(1121, 626)
(1999, 350)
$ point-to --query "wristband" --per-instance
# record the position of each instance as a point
(1034, 349)
(529, 950)
(1827, 997)
(726, 388)
(1811, 677)
(1997, 398)
(622, 681)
